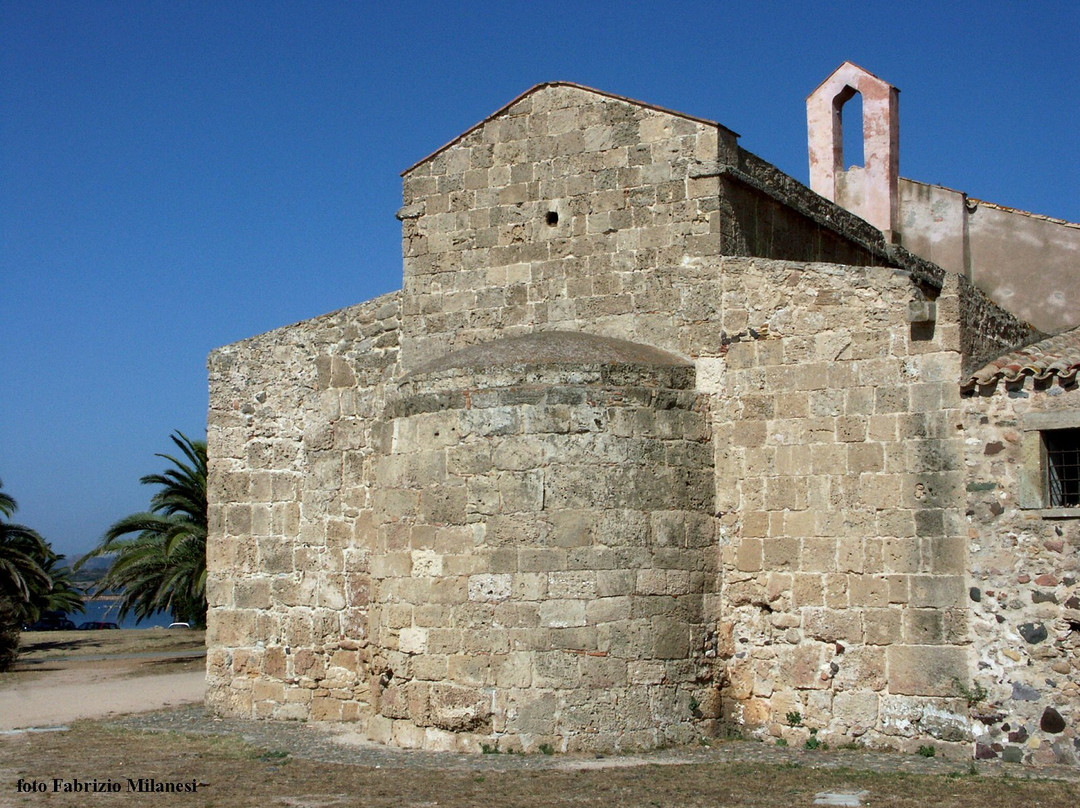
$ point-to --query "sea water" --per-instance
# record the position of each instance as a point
(105, 611)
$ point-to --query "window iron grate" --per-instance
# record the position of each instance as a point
(1063, 467)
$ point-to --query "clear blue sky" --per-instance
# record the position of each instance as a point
(175, 176)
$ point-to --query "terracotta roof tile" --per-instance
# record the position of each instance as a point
(1054, 356)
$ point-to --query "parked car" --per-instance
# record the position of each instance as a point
(50, 622)
(96, 625)
(179, 625)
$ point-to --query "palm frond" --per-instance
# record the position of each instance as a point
(160, 554)
(7, 503)
(22, 554)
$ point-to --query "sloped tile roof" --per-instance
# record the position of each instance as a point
(1054, 356)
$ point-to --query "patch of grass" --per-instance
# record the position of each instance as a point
(971, 771)
(546, 749)
(733, 733)
(40, 646)
(173, 665)
(814, 742)
(972, 695)
(794, 719)
(273, 756)
(926, 751)
(223, 768)
(490, 748)
(695, 707)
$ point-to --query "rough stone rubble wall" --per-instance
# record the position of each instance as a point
(986, 331)
(293, 424)
(1024, 594)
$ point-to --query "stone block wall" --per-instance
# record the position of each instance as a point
(571, 206)
(1024, 586)
(836, 589)
(568, 206)
(545, 545)
(600, 553)
(293, 424)
(840, 486)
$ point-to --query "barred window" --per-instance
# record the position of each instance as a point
(1062, 448)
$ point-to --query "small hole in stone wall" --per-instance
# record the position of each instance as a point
(922, 332)
(552, 218)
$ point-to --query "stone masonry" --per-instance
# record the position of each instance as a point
(654, 441)
(1024, 585)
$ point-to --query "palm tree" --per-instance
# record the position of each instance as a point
(22, 552)
(160, 554)
(62, 596)
(22, 576)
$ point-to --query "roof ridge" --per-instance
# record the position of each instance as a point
(1020, 211)
(575, 85)
(856, 66)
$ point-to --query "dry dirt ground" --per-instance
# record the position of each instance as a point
(264, 765)
(61, 676)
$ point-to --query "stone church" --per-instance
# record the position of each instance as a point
(656, 443)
